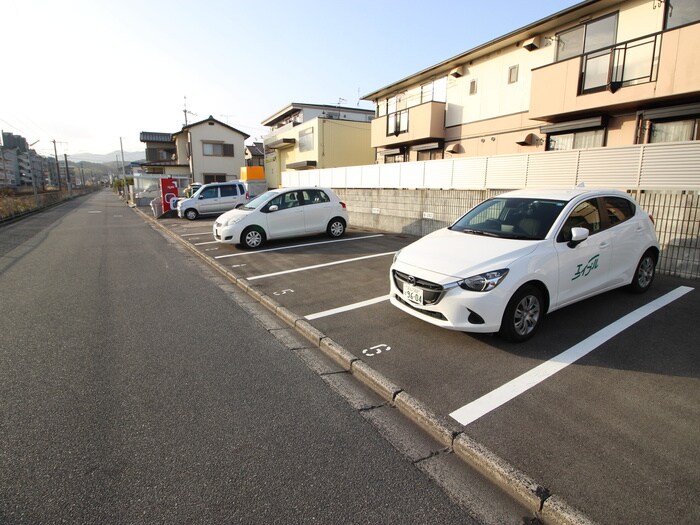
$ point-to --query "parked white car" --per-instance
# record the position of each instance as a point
(280, 213)
(211, 199)
(514, 258)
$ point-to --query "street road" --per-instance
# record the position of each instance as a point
(136, 386)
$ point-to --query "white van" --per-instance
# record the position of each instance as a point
(213, 199)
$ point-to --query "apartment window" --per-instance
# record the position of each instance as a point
(513, 74)
(397, 115)
(431, 154)
(381, 108)
(217, 149)
(391, 159)
(673, 131)
(472, 87)
(306, 140)
(214, 177)
(576, 140)
(682, 12)
(440, 89)
(593, 35)
(426, 92)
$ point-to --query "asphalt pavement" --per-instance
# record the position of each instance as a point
(138, 386)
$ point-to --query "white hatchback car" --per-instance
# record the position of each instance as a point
(515, 257)
(280, 213)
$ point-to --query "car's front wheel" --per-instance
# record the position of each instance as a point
(191, 214)
(644, 273)
(336, 227)
(523, 315)
(252, 237)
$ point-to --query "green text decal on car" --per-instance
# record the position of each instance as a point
(584, 269)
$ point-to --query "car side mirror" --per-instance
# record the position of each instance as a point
(578, 235)
(272, 208)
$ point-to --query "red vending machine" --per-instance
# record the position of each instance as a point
(168, 192)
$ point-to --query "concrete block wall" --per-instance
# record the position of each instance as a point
(415, 212)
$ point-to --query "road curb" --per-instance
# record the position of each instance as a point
(549, 508)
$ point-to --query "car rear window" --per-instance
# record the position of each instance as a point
(619, 209)
(228, 190)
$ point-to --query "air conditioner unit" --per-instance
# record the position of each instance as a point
(533, 43)
(459, 71)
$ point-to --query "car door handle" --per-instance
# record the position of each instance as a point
(604, 245)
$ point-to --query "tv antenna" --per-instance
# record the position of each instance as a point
(186, 112)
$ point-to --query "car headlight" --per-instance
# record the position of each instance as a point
(396, 255)
(233, 220)
(484, 281)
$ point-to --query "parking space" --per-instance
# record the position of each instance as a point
(609, 423)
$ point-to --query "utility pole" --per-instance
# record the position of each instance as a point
(58, 167)
(121, 146)
(31, 173)
(70, 190)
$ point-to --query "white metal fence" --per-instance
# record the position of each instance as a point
(668, 166)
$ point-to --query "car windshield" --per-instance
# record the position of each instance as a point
(259, 200)
(511, 218)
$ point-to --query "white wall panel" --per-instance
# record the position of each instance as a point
(370, 176)
(671, 166)
(338, 179)
(555, 169)
(608, 167)
(507, 171)
(390, 175)
(469, 173)
(412, 174)
(438, 174)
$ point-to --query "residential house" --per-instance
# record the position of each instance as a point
(215, 151)
(255, 154)
(205, 151)
(312, 136)
(600, 73)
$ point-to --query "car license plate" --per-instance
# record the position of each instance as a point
(412, 293)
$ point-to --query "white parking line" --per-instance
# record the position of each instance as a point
(298, 246)
(494, 399)
(208, 232)
(347, 308)
(318, 266)
(203, 243)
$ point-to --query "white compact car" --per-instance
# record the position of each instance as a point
(280, 213)
(515, 257)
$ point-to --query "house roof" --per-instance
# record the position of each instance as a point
(296, 106)
(256, 149)
(154, 136)
(207, 121)
(569, 15)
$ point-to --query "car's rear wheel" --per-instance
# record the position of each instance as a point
(191, 214)
(336, 227)
(644, 274)
(523, 315)
(253, 237)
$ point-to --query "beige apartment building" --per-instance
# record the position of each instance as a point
(600, 73)
(314, 136)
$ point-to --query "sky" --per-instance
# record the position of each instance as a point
(93, 74)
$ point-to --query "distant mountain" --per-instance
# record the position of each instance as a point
(129, 156)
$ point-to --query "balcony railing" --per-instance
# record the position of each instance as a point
(626, 64)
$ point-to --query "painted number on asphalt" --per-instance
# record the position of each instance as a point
(376, 350)
(283, 292)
